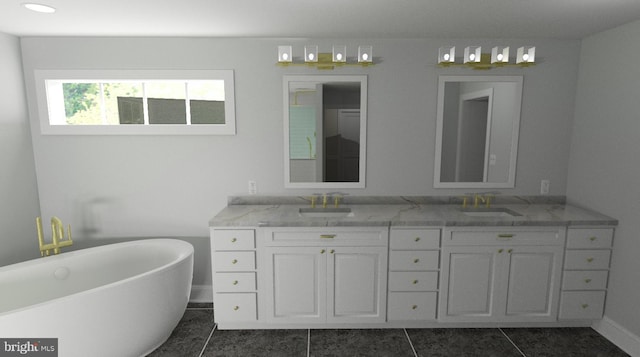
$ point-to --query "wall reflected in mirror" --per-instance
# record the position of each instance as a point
(477, 131)
(325, 131)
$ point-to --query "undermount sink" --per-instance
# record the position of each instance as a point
(329, 212)
(497, 212)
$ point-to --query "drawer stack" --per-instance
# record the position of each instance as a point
(234, 274)
(586, 271)
(413, 274)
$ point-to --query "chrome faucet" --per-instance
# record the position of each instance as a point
(57, 237)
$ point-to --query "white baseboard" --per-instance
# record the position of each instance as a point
(201, 293)
(618, 335)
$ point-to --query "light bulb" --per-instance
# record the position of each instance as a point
(311, 56)
(525, 57)
(446, 57)
(500, 57)
(339, 56)
(472, 57)
(285, 56)
(365, 56)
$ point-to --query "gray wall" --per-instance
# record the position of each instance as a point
(18, 191)
(604, 170)
(139, 186)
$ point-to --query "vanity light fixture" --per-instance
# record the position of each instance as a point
(365, 54)
(472, 54)
(45, 9)
(311, 53)
(447, 54)
(285, 54)
(336, 58)
(499, 57)
(339, 54)
(526, 55)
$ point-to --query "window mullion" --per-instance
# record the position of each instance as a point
(145, 104)
(103, 107)
(188, 103)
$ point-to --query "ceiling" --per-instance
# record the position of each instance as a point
(562, 19)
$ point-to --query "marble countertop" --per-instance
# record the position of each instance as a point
(403, 211)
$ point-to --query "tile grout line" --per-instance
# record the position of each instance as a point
(206, 343)
(410, 343)
(308, 342)
(513, 343)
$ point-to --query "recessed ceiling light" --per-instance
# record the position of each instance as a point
(39, 8)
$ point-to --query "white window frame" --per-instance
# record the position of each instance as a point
(45, 107)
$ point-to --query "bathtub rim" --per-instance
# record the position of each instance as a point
(185, 252)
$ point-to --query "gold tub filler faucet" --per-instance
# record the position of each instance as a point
(57, 237)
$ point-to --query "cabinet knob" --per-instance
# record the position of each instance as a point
(236, 308)
(234, 261)
(587, 281)
(416, 260)
(593, 238)
(500, 250)
(233, 240)
(584, 306)
(510, 250)
(327, 236)
(332, 251)
(415, 282)
(414, 307)
(417, 239)
(322, 251)
(235, 282)
(590, 259)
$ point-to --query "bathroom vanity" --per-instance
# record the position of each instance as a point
(408, 263)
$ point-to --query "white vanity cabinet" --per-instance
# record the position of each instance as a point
(325, 275)
(492, 274)
(233, 264)
(414, 263)
(586, 271)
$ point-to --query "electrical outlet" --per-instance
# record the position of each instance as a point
(253, 187)
(544, 187)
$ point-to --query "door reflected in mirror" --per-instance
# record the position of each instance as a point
(477, 131)
(325, 131)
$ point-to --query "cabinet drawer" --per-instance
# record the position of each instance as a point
(234, 239)
(234, 261)
(412, 306)
(587, 259)
(234, 282)
(415, 239)
(413, 281)
(582, 305)
(360, 236)
(589, 238)
(414, 260)
(236, 307)
(479, 236)
(585, 280)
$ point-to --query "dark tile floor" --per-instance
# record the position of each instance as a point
(196, 336)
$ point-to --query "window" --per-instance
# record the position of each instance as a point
(136, 102)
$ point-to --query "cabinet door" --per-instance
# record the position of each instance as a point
(533, 283)
(469, 276)
(356, 284)
(296, 281)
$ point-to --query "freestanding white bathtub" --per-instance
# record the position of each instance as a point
(121, 299)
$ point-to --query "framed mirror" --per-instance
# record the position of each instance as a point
(478, 121)
(325, 120)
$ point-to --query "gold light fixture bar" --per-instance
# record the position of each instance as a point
(474, 58)
(326, 61)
